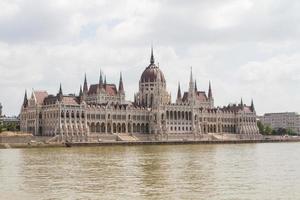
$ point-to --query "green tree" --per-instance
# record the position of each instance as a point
(261, 127)
(290, 132)
(268, 130)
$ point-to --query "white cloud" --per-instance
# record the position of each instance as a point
(247, 48)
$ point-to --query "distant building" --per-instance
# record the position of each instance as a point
(286, 120)
(9, 121)
(101, 108)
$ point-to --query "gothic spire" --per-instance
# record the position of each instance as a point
(25, 102)
(60, 93)
(178, 92)
(121, 87)
(242, 104)
(210, 96)
(100, 80)
(80, 94)
(85, 86)
(60, 90)
(252, 106)
(80, 91)
(152, 57)
(191, 84)
(196, 86)
(104, 80)
(191, 75)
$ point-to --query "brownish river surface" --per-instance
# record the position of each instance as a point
(240, 171)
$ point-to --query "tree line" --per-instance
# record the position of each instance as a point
(268, 130)
(9, 127)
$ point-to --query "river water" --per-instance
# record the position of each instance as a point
(239, 171)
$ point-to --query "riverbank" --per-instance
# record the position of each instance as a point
(29, 141)
(29, 145)
(176, 142)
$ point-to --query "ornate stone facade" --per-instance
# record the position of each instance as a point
(102, 109)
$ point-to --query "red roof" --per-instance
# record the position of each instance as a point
(70, 100)
(110, 89)
(40, 96)
(200, 95)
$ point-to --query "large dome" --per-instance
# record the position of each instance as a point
(152, 73)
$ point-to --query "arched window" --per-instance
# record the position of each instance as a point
(151, 100)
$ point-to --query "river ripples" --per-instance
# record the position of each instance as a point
(240, 171)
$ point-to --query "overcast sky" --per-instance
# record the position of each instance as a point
(247, 48)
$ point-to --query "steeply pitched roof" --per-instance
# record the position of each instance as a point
(110, 89)
(70, 100)
(40, 96)
(200, 95)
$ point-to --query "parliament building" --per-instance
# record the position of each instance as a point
(102, 109)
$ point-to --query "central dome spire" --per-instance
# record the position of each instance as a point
(152, 57)
(152, 73)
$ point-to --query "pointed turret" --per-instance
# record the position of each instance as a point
(100, 80)
(178, 92)
(252, 106)
(60, 93)
(152, 57)
(105, 81)
(80, 91)
(210, 96)
(191, 87)
(241, 103)
(85, 87)
(196, 86)
(25, 102)
(80, 94)
(100, 84)
(191, 83)
(60, 90)
(121, 87)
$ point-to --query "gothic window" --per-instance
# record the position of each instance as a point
(102, 127)
(129, 128)
(138, 128)
(151, 99)
(143, 128)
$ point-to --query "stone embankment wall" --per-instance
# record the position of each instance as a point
(15, 139)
